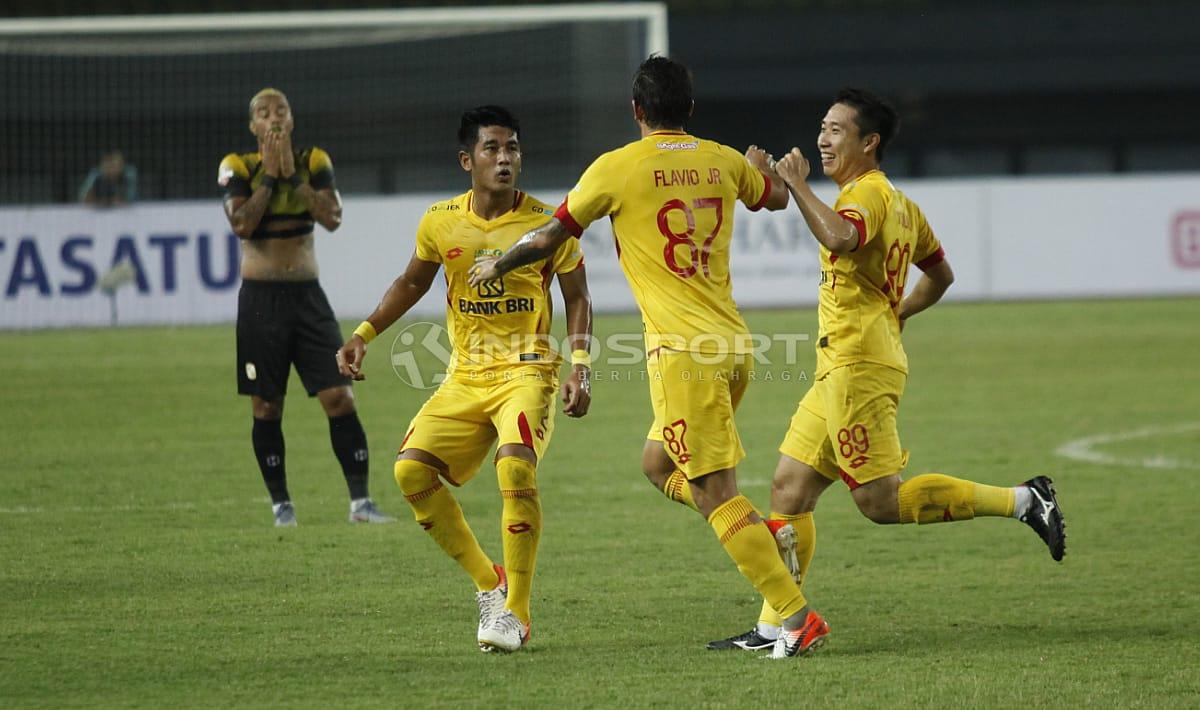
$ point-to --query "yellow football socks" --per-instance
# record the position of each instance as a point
(806, 544)
(935, 498)
(521, 527)
(679, 490)
(436, 510)
(750, 544)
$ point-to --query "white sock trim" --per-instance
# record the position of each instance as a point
(1023, 499)
(767, 631)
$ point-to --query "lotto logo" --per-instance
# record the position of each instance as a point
(859, 461)
(1185, 240)
(518, 528)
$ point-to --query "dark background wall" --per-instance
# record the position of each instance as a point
(984, 88)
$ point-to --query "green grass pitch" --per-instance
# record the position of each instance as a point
(138, 565)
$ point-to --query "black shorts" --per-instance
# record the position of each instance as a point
(285, 322)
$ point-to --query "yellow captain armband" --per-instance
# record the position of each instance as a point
(581, 357)
(366, 331)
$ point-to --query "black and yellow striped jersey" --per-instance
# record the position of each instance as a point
(240, 174)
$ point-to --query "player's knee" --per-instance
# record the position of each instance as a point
(269, 409)
(415, 477)
(516, 474)
(878, 509)
(656, 465)
(338, 401)
(657, 478)
(797, 489)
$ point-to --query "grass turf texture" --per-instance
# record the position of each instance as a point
(140, 566)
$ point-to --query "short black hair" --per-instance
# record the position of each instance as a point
(662, 87)
(873, 115)
(472, 119)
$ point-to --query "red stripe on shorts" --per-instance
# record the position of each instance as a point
(526, 434)
(850, 482)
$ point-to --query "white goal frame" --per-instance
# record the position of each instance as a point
(654, 14)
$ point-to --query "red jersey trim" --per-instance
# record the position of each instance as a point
(859, 225)
(577, 268)
(762, 201)
(562, 214)
(849, 480)
(932, 260)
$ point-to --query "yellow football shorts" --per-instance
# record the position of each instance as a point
(694, 397)
(462, 420)
(845, 426)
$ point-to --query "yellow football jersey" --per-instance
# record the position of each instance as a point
(671, 199)
(861, 290)
(240, 175)
(503, 323)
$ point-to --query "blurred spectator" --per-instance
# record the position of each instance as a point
(113, 183)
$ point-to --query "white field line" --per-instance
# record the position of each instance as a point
(127, 508)
(139, 507)
(1085, 449)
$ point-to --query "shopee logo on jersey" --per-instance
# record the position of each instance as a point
(1185, 239)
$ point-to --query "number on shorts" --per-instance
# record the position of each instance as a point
(676, 443)
(853, 439)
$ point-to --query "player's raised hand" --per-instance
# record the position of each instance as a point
(287, 160)
(577, 392)
(483, 270)
(350, 358)
(760, 159)
(270, 153)
(793, 167)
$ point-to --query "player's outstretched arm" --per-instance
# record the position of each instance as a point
(928, 291)
(577, 388)
(831, 230)
(765, 162)
(401, 296)
(536, 245)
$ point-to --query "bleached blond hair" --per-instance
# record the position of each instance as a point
(262, 94)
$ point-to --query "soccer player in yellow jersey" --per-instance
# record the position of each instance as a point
(671, 198)
(273, 197)
(845, 426)
(503, 376)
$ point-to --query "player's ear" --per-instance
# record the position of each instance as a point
(871, 142)
(464, 159)
(639, 114)
(692, 108)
